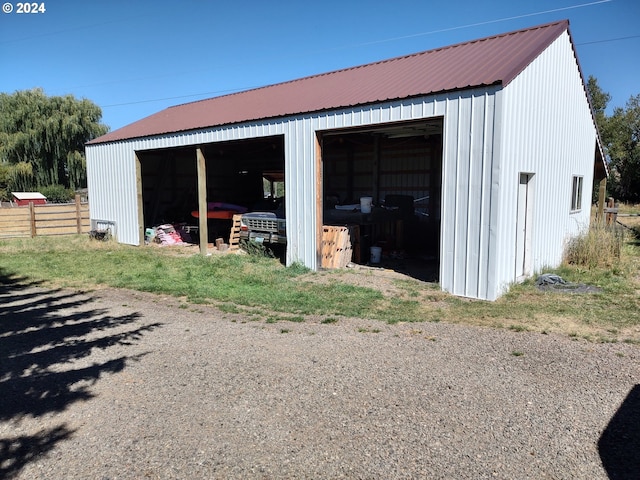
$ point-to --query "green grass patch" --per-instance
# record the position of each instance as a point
(261, 288)
(249, 281)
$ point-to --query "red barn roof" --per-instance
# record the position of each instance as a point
(493, 60)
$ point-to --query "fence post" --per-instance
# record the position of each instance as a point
(612, 213)
(78, 218)
(32, 218)
(602, 191)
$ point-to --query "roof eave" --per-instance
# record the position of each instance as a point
(99, 141)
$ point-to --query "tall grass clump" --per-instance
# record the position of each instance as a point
(599, 247)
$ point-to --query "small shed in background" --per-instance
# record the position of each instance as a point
(23, 199)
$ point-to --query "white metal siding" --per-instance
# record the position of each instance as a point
(467, 176)
(112, 188)
(547, 130)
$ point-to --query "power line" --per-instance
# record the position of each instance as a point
(460, 27)
(392, 39)
(256, 86)
(179, 97)
(488, 22)
(608, 40)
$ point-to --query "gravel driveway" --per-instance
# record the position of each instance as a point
(116, 384)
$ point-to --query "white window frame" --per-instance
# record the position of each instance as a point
(577, 184)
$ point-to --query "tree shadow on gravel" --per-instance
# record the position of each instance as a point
(619, 444)
(44, 336)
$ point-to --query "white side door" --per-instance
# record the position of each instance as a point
(523, 226)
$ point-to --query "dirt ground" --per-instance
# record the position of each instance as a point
(114, 384)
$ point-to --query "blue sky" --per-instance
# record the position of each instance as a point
(134, 58)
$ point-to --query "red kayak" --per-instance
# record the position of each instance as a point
(219, 214)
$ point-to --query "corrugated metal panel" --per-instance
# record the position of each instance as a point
(112, 188)
(547, 131)
(489, 61)
(466, 200)
(301, 193)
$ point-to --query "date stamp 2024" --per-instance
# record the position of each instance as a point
(24, 7)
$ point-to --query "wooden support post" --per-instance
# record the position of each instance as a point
(140, 201)
(319, 204)
(202, 200)
(350, 192)
(375, 177)
(610, 214)
(32, 218)
(78, 216)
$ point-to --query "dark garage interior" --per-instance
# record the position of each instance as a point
(398, 165)
(235, 172)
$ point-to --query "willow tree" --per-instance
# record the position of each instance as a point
(49, 134)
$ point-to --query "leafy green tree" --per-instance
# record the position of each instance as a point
(620, 134)
(623, 130)
(57, 193)
(48, 134)
(599, 100)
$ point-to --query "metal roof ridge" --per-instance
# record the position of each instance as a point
(378, 62)
(158, 123)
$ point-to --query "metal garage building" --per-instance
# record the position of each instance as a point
(495, 136)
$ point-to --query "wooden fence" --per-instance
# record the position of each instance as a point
(49, 219)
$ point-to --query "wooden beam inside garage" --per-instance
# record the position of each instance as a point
(202, 200)
(319, 206)
(140, 200)
(375, 173)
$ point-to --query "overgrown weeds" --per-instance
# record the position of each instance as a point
(601, 246)
(256, 249)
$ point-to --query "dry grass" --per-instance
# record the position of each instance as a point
(601, 246)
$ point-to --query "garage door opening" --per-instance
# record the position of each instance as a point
(399, 166)
(241, 176)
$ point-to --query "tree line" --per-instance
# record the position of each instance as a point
(42, 141)
(620, 135)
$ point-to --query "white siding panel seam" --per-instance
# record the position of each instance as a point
(481, 271)
(456, 197)
(469, 160)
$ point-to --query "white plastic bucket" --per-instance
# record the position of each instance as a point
(365, 204)
(376, 253)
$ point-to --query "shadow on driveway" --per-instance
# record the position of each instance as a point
(619, 444)
(43, 333)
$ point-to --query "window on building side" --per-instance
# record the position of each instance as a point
(576, 194)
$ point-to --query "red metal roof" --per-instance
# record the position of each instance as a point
(489, 61)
